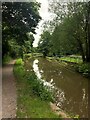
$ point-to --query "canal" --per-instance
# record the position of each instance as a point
(72, 86)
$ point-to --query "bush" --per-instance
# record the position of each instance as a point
(84, 68)
(39, 88)
(19, 70)
(19, 62)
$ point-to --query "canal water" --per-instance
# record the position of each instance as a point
(72, 86)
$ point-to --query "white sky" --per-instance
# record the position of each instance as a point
(45, 16)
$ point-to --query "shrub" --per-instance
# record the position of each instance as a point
(84, 69)
(19, 70)
(19, 62)
(39, 88)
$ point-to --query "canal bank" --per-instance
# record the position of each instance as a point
(30, 104)
(73, 87)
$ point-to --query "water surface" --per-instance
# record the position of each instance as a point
(73, 87)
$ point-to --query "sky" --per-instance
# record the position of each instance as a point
(45, 16)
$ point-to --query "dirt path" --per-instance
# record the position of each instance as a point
(8, 92)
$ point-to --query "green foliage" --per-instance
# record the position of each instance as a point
(30, 106)
(84, 68)
(39, 88)
(19, 70)
(14, 50)
(17, 16)
(79, 66)
(72, 59)
(37, 85)
(18, 19)
(70, 34)
(62, 40)
(26, 56)
(19, 62)
(6, 59)
(29, 103)
(44, 43)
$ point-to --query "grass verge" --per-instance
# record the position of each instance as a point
(75, 63)
(71, 59)
(29, 104)
(78, 65)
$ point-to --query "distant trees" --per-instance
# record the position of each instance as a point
(71, 34)
(79, 12)
(18, 20)
(44, 43)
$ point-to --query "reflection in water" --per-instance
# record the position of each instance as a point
(36, 69)
(38, 74)
(60, 96)
(71, 87)
(84, 94)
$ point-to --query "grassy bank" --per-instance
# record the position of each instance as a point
(72, 59)
(30, 55)
(75, 62)
(78, 64)
(30, 103)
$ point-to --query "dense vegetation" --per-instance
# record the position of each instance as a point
(70, 31)
(19, 20)
(66, 38)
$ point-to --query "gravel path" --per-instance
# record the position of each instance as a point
(8, 92)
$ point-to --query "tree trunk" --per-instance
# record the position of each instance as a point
(88, 33)
(81, 49)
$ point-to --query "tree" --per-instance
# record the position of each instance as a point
(44, 43)
(87, 30)
(63, 42)
(18, 18)
(28, 45)
(71, 19)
